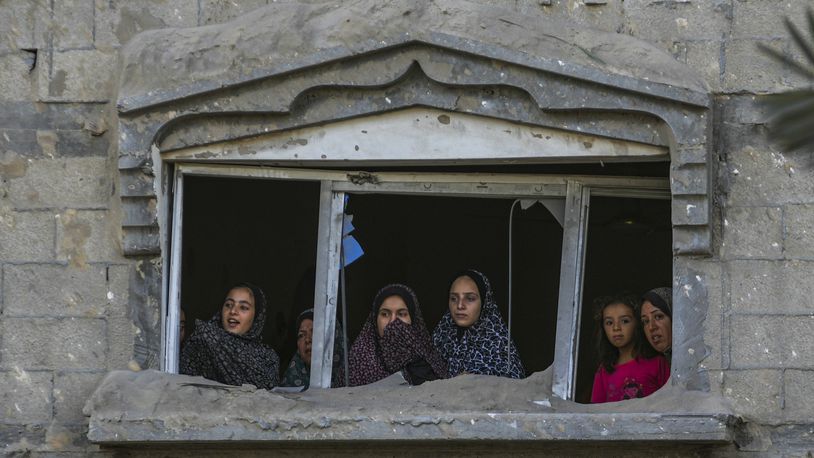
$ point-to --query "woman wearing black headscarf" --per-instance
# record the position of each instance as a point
(656, 313)
(472, 335)
(228, 348)
(395, 338)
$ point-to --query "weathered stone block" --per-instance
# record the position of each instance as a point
(690, 210)
(753, 232)
(69, 439)
(58, 291)
(86, 236)
(20, 19)
(762, 176)
(62, 183)
(799, 231)
(26, 396)
(747, 69)
(757, 18)
(653, 21)
(38, 144)
(22, 439)
(710, 319)
(705, 58)
(78, 76)
(121, 337)
(29, 115)
(71, 390)
(755, 394)
(691, 155)
(692, 239)
(216, 11)
(118, 292)
(15, 77)
(742, 109)
(761, 341)
(799, 395)
(73, 24)
(134, 183)
(20, 142)
(608, 16)
(53, 343)
(690, 180)
(771, 287)
(117, 22)
(81, 143)
(141, 215)
(26, 236)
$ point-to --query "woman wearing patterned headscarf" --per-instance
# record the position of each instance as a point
(228, 347)
(471, 335)
(395, 338)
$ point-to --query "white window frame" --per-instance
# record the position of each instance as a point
(334, 184)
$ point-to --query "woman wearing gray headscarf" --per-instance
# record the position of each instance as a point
(656, 313)
(228, 348)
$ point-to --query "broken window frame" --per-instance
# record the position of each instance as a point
(335, 184)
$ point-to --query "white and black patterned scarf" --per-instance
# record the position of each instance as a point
(481, 348)
(216, 354)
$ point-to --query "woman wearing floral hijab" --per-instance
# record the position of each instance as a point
(471, 335)
(228, 347)
(395, 338)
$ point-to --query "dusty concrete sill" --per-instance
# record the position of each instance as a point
(130, 408)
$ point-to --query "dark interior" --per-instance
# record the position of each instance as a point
(261, 231)
(423, 241)
(265, 231)
(628, 250)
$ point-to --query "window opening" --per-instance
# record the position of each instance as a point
(548, 254)
(629, 248)
(261, 231)
(422, 241)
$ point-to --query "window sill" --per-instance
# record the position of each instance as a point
(131, 408)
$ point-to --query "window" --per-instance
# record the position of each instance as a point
(418, 227)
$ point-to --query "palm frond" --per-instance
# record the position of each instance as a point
(787, 60)
(800, 40)
(791, 113)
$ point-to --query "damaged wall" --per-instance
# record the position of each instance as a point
(72, 307)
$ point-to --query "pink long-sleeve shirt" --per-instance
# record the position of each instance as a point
(637, 378)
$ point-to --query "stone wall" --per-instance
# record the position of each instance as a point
(72, 307)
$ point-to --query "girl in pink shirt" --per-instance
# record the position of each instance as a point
(624, 371)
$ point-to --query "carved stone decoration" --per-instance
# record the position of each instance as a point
(297, 64)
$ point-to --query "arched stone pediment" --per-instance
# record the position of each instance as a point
(297, 65)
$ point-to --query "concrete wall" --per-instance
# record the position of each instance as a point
(68, 313)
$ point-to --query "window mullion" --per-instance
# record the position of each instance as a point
(172, 313)
(569, 307)
(327, 284)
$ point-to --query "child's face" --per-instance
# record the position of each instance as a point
(620, 325)
(237, 314)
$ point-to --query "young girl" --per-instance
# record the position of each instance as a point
(625, 372)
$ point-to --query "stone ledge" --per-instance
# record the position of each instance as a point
(130, 409)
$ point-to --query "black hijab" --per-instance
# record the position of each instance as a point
(217, 354)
